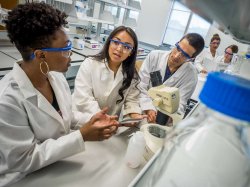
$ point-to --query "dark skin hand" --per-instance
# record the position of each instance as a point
(100, 127)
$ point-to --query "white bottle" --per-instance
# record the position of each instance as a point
(213, 147)
(135, 150)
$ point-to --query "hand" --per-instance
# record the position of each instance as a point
(134, 116)
(151, 115)
(101, 126)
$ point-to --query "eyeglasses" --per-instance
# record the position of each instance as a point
(215, 43)
(181, 52)
(66, 51)
(228, 53)
(126, 48)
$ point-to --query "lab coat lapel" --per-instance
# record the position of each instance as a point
(179, 73)
(63, 105)
(45, 106)
(163, 64)
(29, 93)
(118, 78)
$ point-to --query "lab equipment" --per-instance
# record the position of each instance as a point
(166, 100)
(211, 147)
(154, 135)
(240, 66)
(92, 44)
(245, 68)
(78, 43)
(135, 150)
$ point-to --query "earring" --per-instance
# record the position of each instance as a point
(43, 62)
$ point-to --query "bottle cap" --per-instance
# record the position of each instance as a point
(227, 94)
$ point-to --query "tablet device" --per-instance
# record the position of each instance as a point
(131, 120)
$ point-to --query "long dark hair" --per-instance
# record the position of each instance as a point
(128, 65)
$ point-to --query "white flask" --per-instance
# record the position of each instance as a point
(135, 150)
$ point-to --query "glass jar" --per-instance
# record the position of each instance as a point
(211, 148)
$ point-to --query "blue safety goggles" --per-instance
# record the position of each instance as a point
(182, 52)
(124, 45)
(62, 49)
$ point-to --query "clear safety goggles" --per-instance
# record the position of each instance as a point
(215, 43)
(126, 48)
(65, 51)
(231, 54)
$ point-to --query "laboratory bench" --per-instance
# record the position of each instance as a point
(101, 164)
(9, 55)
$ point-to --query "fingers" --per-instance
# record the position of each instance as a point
(104, 110)
(107, 133)
(113, 117)
(110, 130)
(151, 118)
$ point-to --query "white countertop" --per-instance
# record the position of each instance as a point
(101, 164)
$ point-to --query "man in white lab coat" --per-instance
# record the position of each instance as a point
(37, 125)
(174, 70)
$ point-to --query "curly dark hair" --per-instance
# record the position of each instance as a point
(32, 26)
(128, 65)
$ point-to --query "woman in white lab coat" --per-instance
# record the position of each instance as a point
(210, 53)
(37, 125)
(110, 78)
(225, 60)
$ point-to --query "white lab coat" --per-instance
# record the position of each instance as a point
(222, 66)
(185, 78)
(96, 87)
(199, 60)
(32, 133)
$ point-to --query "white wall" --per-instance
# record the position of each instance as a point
(226, 40)
(152, 21)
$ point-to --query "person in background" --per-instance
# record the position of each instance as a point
(110, 78)
(175, 70)
(37, 125)
(224, 61)
(208, 53)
